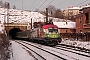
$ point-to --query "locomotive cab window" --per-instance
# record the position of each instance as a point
(50, 30)
(53, 30)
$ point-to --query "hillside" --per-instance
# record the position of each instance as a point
(19, 16)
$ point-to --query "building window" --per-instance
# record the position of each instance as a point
(66, 30)
(80, 31)
(80, 20)
(87, 17)
(70, 11)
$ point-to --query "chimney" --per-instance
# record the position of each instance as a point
(66, 21)
(80, 6)
(72, 6)
(68, 6)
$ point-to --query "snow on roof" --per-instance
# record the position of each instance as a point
(58, 19)
(86, 6)
(64, 25)
(75, 8)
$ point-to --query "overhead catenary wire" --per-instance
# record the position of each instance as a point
(81, 3)
(42, 4)
(37, 4)
(53, 1)
(61, 3)
(67, 3)
(77, 4)
(85, 4)
(48, 4)
(32, 3)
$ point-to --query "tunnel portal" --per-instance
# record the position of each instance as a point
(13, 32)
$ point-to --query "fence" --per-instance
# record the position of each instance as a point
(76, 36)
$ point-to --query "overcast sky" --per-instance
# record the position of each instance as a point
(42, 4)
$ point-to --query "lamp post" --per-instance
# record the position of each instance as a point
(22, 8)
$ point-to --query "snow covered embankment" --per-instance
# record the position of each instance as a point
(77, 43)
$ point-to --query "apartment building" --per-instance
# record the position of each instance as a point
(83, 20)
(71, 11)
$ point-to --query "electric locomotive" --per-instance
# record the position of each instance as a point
(47, 35)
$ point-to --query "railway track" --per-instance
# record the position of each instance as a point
(81, 54)
(29, 50)
(58, 52)
(50, 56)
(74, 48)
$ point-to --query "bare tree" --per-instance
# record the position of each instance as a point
(14, 7)
(58, 14)
(89, 3)
(37, 10)
(1, 3)
(51, 9)
(6, 5)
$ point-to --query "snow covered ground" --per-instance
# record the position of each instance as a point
(77, 43)
(20, 54)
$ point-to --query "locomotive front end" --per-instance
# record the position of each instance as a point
(52, 34)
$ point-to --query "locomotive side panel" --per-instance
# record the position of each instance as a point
(38, 32)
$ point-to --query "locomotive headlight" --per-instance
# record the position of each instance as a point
(59, 35)
(48, 35)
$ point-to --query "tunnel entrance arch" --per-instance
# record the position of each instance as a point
(12, 32)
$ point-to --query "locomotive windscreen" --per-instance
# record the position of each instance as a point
(53, 29)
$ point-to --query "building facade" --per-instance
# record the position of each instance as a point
(66, 27)
(71, 11)
(83, 20)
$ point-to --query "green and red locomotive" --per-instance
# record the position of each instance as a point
(47, 35)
